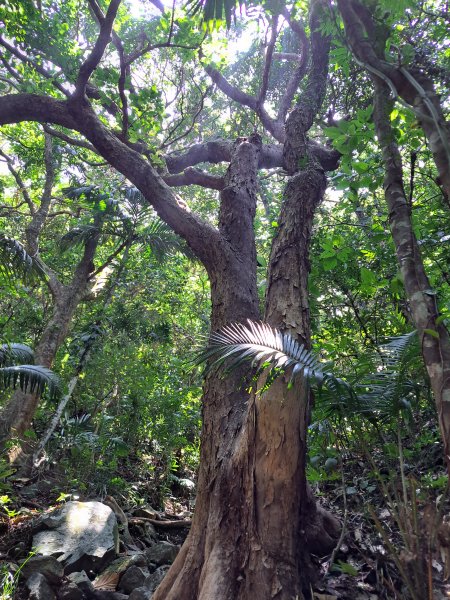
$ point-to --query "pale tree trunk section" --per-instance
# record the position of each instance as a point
(286, 523)
(18, 414)
(435, 347)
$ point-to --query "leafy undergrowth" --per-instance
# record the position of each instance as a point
(396, 539)
(396, 535)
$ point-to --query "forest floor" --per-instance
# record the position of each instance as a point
(395, 543)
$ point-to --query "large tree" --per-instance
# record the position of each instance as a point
(255, 523)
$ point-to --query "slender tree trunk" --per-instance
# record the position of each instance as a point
(83, 360)
(412, 85)
(17, 415)
(433, 335)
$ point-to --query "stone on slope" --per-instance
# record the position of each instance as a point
(39, 588)
(80, 535)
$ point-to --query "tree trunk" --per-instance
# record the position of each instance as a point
(255, 520)
(433, 335)
(17, 415)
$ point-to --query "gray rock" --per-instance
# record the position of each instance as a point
(34, 489)
(47, 565)
(162, 553)
(81, 535)
(70, 591)
(81, 580)
(133, 578)
(106, 595)
(39, 588)
(147, 512)
(151, 534)
(141, 593)
(153, 580)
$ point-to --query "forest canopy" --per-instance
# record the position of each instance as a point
(269, 181)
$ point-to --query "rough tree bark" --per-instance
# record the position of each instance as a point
(255, 522)
(249, 549)
(422, 299)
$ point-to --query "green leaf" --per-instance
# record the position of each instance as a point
(394, 114)
(432, 332)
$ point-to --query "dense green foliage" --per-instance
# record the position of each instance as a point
(132, 424)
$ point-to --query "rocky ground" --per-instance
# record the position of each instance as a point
(88, 550)
(97, 549)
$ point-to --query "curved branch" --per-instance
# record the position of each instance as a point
(92, 61)
(193, 176)
(270, 156)
(70, 140)
(205, 241)
(245, 99)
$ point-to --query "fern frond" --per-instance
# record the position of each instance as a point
(386, 391)
(162, 240)
(11, 354)
(77, 236)
(265, 347)
(15, 260)
(31, 379)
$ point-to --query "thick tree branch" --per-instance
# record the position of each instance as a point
(193, 176)
(302, 117)
(270, 156)
(15, 108)
(92, 61)
(205, 241)
(245, 99)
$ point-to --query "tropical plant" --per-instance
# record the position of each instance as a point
(384, 385)
(30, 378)
(15, 260)
(268, 350)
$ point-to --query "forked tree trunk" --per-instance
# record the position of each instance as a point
(255, 520)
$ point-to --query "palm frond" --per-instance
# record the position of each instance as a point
(31, 379)
(214, 10)
(265, 347)
(162, 240)
(385, 391)
(77, 236)
(11, 354)
(15, 260)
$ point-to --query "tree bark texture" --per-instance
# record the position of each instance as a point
(422, 299)
(17, 415)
